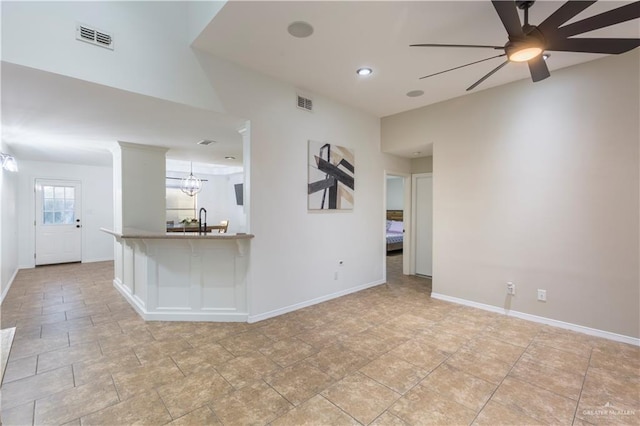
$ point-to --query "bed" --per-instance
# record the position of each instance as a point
(395, 230)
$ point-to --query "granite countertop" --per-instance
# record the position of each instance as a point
(137, 233)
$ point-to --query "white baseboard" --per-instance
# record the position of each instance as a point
(6, 290)
(98, 259)
(196, 316)
(175, 315)
(542, 320)
(296, 306)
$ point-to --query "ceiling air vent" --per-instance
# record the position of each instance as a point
(305, 103)
(94, 36)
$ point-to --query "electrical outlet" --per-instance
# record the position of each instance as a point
(511, 288)
(542, 295)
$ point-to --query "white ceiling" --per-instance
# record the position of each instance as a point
(352, 34)
(50, 117)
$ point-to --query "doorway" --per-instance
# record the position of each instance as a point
(58, 225)
(397, 251)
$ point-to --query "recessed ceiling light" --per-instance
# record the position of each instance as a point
(300, 29)
(417, 153)
(415, 93)
(229, 157)
(206, 142)
(364, 71)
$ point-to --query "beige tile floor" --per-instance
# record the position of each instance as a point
(389, 355)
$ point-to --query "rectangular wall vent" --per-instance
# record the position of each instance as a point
(305, 103)
(94, 36)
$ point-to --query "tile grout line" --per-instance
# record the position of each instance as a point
(331, 402)
(430, 372)
(164, 404)
(101, 409)
(584, 379)
(503, 379)
(408, 390)
(73, 375)
(294, 406)
(115, 387)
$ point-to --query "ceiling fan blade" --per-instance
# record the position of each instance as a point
(611, 46)
(562, 15)
(456, 45)
(509, 16)
(538, 68)
(606, 19)
(489, 74)
(462, 66)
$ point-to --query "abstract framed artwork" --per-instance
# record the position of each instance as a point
(331, 177)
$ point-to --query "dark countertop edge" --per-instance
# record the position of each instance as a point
(145, 235)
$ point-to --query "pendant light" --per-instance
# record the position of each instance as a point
(191, 185)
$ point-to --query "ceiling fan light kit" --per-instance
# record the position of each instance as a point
(530, 43)
(524, 53)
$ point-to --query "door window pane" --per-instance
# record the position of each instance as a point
(68, 217)
(58, 204)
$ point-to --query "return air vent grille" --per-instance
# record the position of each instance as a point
(94, 36)
(87, 33)
(305, 103)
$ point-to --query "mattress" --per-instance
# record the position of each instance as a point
(394, 238)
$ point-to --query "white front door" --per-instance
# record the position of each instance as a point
(423, 217)
(58, 224)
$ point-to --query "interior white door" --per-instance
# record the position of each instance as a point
(423, 201)
(58, 222)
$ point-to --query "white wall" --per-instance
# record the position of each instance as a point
(97, 207)
(538, 184)
(219, 198)
(395, 193)
(139, 173)
(296, 252)
(8, 226)
(422, 164)
(200, 14)
(151, 45)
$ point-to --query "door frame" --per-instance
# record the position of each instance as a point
(407, 249)
(414, 187)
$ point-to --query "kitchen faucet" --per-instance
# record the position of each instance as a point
(201, 228)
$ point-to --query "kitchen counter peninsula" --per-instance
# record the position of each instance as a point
(174, 276)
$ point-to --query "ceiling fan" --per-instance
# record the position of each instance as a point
(527, 43)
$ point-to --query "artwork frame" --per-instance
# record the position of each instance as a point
(331, 177)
